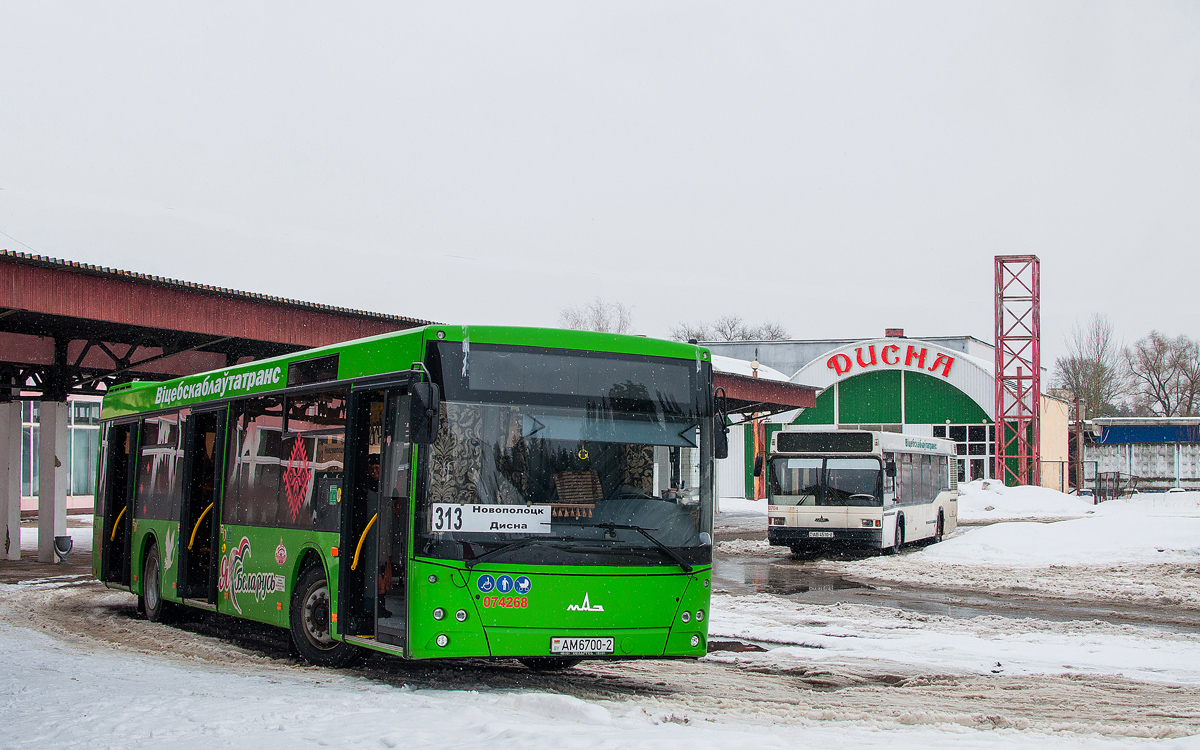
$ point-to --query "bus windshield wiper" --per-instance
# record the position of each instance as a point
(509, 547)
(644, 532)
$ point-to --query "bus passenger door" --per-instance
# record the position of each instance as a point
(375, 534)
(117, 536)
(198, 525)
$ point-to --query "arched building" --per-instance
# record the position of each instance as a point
(936, 386)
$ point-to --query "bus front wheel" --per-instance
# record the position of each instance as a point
(898, 542)
(310, 622)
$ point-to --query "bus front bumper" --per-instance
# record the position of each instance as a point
(783, 536)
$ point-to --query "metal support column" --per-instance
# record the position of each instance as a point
(53, 456)
(10, 479)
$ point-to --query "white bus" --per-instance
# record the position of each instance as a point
(851, 488)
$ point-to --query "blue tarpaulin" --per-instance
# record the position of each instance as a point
(1149, 433)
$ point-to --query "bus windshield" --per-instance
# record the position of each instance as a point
(826, 481)
(586, 445)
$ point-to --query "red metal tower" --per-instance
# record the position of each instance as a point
(1018, 369)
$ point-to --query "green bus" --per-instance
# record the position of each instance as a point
(439, 492)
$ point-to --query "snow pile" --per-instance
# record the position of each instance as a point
(1142, 529)
(855, 634)
(986, 499)
(1144, 549)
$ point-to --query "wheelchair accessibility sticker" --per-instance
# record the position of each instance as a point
(504, 584)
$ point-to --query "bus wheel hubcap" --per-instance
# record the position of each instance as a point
(151, 584)
(316, 616)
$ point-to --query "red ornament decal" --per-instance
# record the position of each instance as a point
(280, 553)
(295, 478)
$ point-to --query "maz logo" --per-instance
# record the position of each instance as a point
(585, 607)
(821, 519)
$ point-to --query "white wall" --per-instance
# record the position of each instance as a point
(731, 472)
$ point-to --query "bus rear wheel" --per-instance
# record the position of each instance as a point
(310, 622)
(151, 600)
(549, 663)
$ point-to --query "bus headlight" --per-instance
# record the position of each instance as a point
(686, 616)
(699, 615)
(443, 641)
(439, 613)
(461, 615)
(695, 641)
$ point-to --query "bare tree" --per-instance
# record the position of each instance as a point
(771, 331)
(1166, 372)
(691, 332)
(1188, 364)
(598, 315)
(1094, 369)
(729, 328)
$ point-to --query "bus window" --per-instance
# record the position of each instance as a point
(908, 478)
(795, 481)
(314, 449)
(256, 453)
(159, 476)
(853, 481)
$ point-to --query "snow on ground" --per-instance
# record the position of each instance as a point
(987, 500)
(58, 695)
(855, 633)
(740, 505)
(747, 518)
(740, 517)
(81, 535)
(748, 547)
(1146, 548)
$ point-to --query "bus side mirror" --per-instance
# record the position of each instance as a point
(721, 422)
(758, 465)
(891, 469)
(423, 415)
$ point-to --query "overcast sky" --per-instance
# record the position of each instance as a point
(837, 167)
